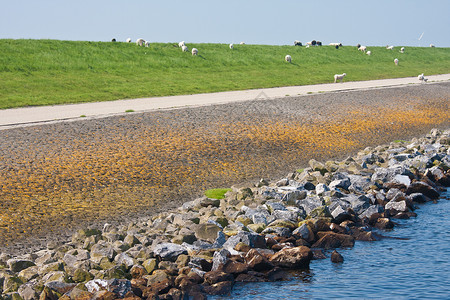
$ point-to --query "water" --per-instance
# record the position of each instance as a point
(416, 268)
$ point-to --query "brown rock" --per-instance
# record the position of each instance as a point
(361, 235)
(336, 257)
(292, 258)
(424, 188)
(257, 262)
(176, 294)
(235, 267)
(157, 288)
(249, 278)
(104, 295)
(242, 247)
(220, 288)
(270, 242)
(331, 240)
(277, 274)
(384, 223)
(138, 271)
(194, 277)
(213, 277)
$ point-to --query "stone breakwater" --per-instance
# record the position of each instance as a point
(254, 234)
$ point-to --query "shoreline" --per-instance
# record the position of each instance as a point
(282, 133)
(253, 234)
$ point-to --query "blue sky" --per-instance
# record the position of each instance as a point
(376, 22)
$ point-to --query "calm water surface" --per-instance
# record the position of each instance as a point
(417, 268)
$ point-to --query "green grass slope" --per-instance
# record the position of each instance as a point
(45, 72)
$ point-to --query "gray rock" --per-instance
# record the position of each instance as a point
(124, 259)
(359, 184)
(340, 183)
(285, 215)
(303, 232)
(103, 249)
(279, 231)
(321, 188)
(358, 203)
(169, 251)
(17, 265)
(373, 209)
(310, 203)
(254, 240)
(388, 174)
(398, 206)
(207, 232)
(402, 179)
(220, 258)
(118, 286)
(275, 206)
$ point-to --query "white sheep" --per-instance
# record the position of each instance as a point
(389, 47)
(369, 52)
(147, 44)
(335, 44)
(362, 48)
(396, 61)
(402, 49)
(307, 46)
(242, 43)
(422, 78)
(181, 44)
(184, 48)
(140, 42)
(432, 46)
(288, 58)
(194, 51)
(339, 77)
(128, 40)
(231, 46)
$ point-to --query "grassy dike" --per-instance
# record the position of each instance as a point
(45, 72)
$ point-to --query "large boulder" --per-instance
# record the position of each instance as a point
(424, 188)
(292, 258)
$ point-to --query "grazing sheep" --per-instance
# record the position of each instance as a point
(357, 46)
(184, 48)
(319, 43)
(432, 46)
(389, 47)
(297, 43)
(242, 43)
(339, 77)
(402, 49)
(194, 51)
(147, 44)
(128, 40)
(231, 46)
(140, 42)
(336, 44)
(422, 78)
(113, 40)
(369, 52)
(288, 58)
(307, 46)
(396, 61)
(181, 44)
(362, 48)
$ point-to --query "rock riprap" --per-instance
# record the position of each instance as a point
(254, 234)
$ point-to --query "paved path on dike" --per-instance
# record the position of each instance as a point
(35, 115)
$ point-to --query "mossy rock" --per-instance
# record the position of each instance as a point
(319, 212)
(11, 284)
(258, 228)
(81, 275)
(244, 220)
(150, 265)
(283, 223)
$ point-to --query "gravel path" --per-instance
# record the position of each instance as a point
(57, 177)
